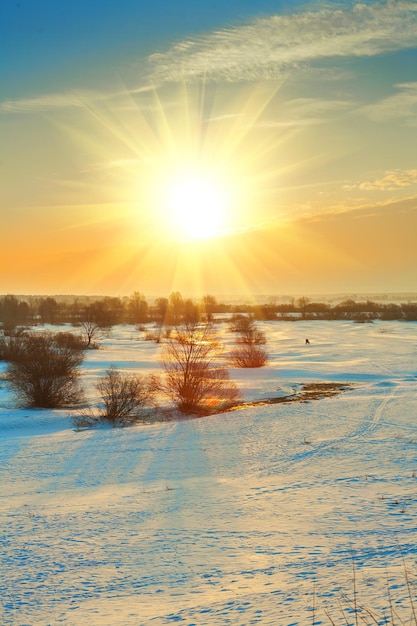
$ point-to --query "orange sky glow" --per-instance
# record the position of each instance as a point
(201, 177)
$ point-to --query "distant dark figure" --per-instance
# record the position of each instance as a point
(307, 341)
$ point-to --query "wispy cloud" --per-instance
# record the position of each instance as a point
(402, 105)
(308, 111)
(269, 47)
(47, 102)
(70, 99)
(390, 181)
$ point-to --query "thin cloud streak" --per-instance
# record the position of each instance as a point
(400, 105)
(267, 48)
(64, 100)
(48, 101)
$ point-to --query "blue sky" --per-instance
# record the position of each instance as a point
(67, 43)
(304, 115)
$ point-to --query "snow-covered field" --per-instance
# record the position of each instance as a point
(250, 517)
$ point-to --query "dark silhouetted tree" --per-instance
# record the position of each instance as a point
(175, 311)
(92, 332)
(191, 312)
(13, 312)
(137, 309)
(209, 306)
(48, 310)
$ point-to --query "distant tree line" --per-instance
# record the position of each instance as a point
(357, 311)
(106, 312)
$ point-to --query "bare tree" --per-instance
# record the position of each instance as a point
(302, 304)
(97, 318)
(191, 312)
(137, 308)
(48, 310)
(209, 304)
(92, 332)
(13, 312)
(160, 315)
(44, 373)
(195, 380)
(175, 310)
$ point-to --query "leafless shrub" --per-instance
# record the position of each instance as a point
(158, 333)
(125, 399)
(11, 346)
(154, 335)
(70, 340)
(249, 334)
(44, 373)
(194, 379)
(248, 352)
(249, 356)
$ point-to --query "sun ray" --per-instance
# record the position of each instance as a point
(190, 164)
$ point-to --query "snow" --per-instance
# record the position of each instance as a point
(249, 517)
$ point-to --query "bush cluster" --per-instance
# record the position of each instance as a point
(248, 352)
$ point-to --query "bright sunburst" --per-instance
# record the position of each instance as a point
(198, 205)
(204, 162)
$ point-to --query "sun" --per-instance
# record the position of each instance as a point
(198, 205)
(203, 168)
